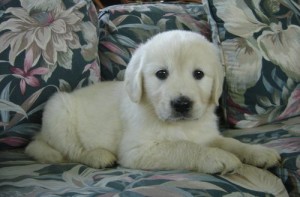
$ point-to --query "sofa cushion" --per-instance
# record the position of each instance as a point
(284, 137)
(21, 176)
(46, 46)
(124, 27)
(259, 42)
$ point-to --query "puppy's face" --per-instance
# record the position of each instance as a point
(178, 72)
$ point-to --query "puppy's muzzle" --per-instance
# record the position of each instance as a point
(182, 106)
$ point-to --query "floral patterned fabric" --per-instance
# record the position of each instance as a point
(259, 43)
(123, 28)
(21, 176)
(46, 46)
(29, 78)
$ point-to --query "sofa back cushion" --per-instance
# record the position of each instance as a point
(124, 27)
(259, 43)
(46, 46)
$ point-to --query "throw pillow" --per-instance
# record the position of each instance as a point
(259, 43)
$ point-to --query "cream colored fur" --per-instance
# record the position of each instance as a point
(133, 122)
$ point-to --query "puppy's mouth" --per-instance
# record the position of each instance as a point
(180, 117)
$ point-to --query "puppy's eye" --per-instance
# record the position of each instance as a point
(162, 74)
(198, 74)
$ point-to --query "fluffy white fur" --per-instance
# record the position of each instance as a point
(135, 124)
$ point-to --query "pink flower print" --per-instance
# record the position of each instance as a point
(94, 70)
(292, 108)
(27, 75)
(285, 145)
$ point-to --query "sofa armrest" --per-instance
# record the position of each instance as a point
(45, 47)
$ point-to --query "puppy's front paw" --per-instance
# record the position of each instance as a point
(260, 156)
(219, 161)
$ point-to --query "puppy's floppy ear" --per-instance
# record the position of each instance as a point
(133, 76)
(218, 82)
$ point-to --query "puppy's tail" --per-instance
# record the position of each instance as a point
(43, 152)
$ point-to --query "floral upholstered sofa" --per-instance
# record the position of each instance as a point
(61, 45)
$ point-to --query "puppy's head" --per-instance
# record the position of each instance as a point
(177, 73)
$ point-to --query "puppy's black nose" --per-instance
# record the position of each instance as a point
(182, 104)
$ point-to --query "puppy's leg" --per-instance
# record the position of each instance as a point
(43, 152)
(97, 158)
(179, 155)
(59, 141)
(256, 155)
(40, 150)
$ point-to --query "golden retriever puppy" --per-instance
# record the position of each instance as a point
(161, 117)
